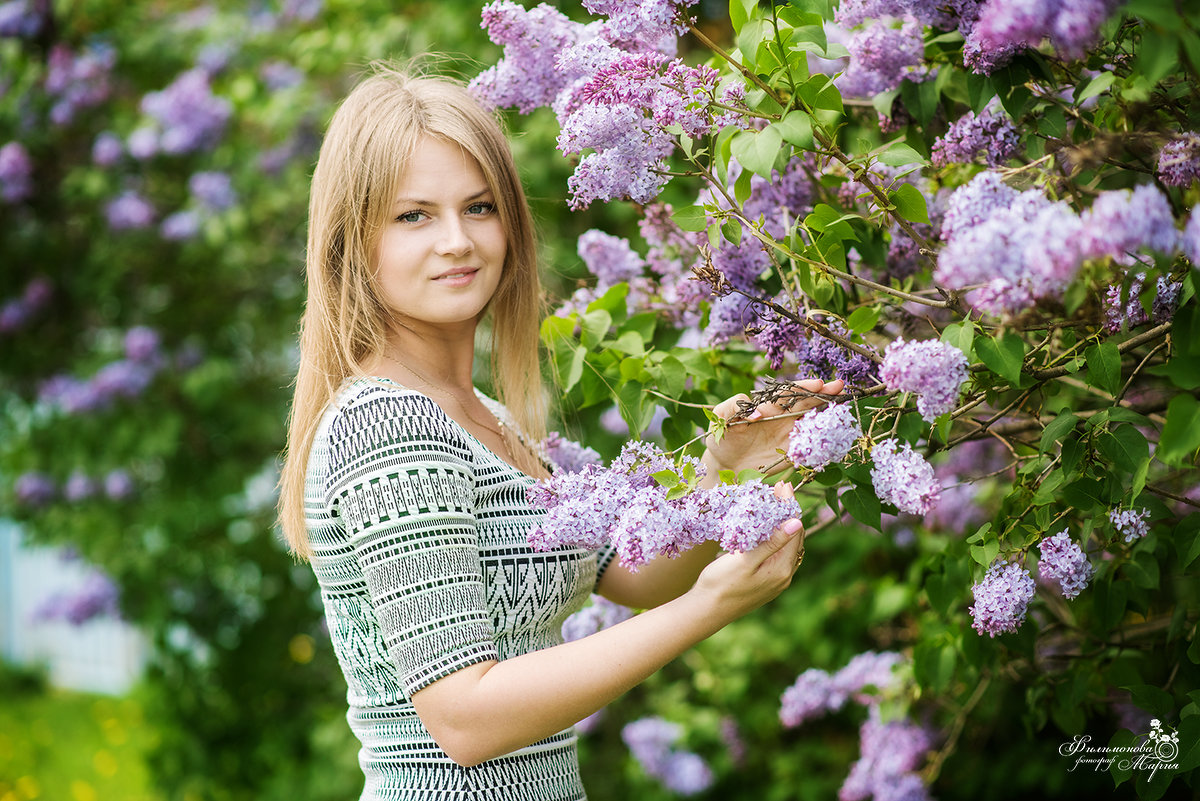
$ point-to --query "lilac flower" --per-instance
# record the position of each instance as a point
(889, 755)
(143, 143)
(609, 258)
(214, 57)
(1179, 160)
(301, 10)
(34, 489)
(600, 614)
(990, 134)
(1189, 240)
(118, 485)
(16, 173)
(214, 190)
(20, 19)
(180, 225)
(1071, 26)
(191, 117)
(79, 487)
(807, 698)
(526, 76)
(777, 336)
(107, 149)
(589, 724)
(122, 379)
(865, 670)
(955, 511)
(822, 437)
(731, 736)
(651, 741)
(746, 514)
(1121, 222)
(142, 344)
(279, 75)
(933, 369)
(634, 23)
(95, 597)
(1064, 561)
(1130, 523)
(975, 202)
(686, 773)
(129, 210)
(1001, 598)
(882, 57)
(566, 455)
(18, 312)
(728, 316)
(77, 82)
(903, 478)
(1166, 300)
(629, 157)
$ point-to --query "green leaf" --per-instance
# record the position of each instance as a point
(960, 335)
(819, 92)
(910, 203)
(1181, 433)
(863, 319)
(1003, 356)
(1125, 446)
(568, 363)
(757, 150)
(665, 478)
(1099, 84)
(595, 325)
(796, 129)
(1057, 429)
(691, 218)
(985, 554)
(740, 11)
(863, 505)
(1104, 367)
(900, 154)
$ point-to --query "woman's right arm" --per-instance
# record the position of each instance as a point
(489, 709)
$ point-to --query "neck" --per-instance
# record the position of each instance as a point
(444, 361)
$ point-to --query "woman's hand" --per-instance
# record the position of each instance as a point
(739, 583)
(755, 444)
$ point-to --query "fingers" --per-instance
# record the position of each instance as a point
(784, 491)
(783, 534)
(728, 407)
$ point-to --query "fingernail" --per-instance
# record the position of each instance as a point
(791, 526)
(754, 415)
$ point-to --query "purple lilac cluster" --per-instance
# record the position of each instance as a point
(16, 173)
(1190, 238)
(1064, 562)
(124, 378)
(777, 335)
(107, 149)
(1179, 160)
(823, 437)
(97, 596)
(626, 506)
(1132, 524)
(18, 312)
(882, 57)
(903, 478)
(1071, 25)
(35, 490)
(652, 742)
(816, 692)
(671, 254)
(1001, 598)
(77, 82)
(188, 117)
(933, 369)
(889, 755)
(991, 134)
(1124, 316)
(23, 19)
(566, 455)
(816, 356)
(129, 211)
(1123, 222)
(600, 614)
(609, 258)
(211, 193)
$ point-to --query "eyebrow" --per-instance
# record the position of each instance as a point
(408, 201)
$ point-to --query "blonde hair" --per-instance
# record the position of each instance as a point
(370, 139)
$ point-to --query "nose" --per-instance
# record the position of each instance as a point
(454, 239)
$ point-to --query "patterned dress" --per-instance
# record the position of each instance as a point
(418, 543)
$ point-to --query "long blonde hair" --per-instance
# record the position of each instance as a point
(370, 139)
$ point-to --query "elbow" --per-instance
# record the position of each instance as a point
(465, 748)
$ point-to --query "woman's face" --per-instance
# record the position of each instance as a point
(442, 250)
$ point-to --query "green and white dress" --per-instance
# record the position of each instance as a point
(418, 536)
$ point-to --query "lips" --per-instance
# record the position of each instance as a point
(458, 276)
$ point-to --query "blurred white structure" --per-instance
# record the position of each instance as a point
(103, 655)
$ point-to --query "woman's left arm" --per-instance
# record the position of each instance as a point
(754, 445)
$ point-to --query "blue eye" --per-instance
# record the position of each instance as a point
(481, 208)
(410, 217)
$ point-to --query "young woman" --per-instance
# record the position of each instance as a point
(405, 486)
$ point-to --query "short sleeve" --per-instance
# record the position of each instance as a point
(402, 482)
(604, 558)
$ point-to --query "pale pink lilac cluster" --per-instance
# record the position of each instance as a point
(187, 117)
(903, 478)
(76, 82)
(16, 173)
(128, 377)
(598, 615)
(1001, 598)
(890, 754)
(1131, 524)
(933, 369)
(566, 455)
(652, 741)
(96, 596)
(1179, 160)
(1064, 562)
(626, 506)
(815, 692)
(18, 312)
(990, 134)
(1121, 222)
(824, 436)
